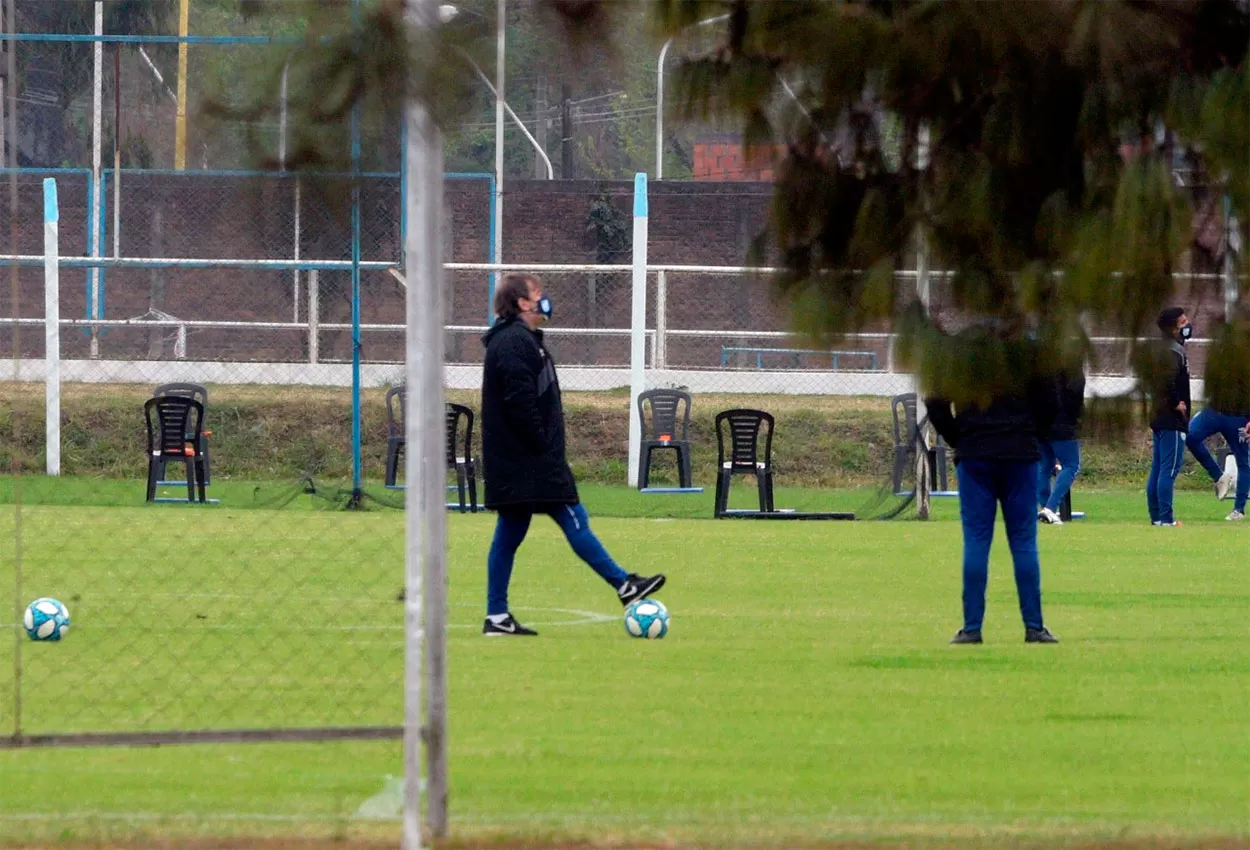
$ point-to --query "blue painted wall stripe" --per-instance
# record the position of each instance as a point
(51, 214)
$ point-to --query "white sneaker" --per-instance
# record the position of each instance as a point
(1223, 486)
(1235, 516)
(1048, 516)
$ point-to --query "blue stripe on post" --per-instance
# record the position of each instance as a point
(640, 195)
(51, 214)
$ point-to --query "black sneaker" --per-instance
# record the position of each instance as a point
(1041, 635)
(639, 587)
(966, 636)
(508, 627)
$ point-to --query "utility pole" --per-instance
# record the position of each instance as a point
(566, 132)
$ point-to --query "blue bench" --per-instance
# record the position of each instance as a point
(834, 356)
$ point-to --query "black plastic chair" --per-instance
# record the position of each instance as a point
(743, 457)
(905, 436)
(668, 428)
(460, 453)
(904, 409)
(200, 394)
(169, 420)
(396, 404)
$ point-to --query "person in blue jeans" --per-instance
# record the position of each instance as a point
(1170, 420)
(524, 455)
(1060, 445)
(996, 459)
(1227, 413)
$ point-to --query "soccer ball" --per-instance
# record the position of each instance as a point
(46, 619)
(646, 618)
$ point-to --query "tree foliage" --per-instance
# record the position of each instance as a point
(1011, 170)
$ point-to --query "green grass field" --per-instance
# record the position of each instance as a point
(806, 692)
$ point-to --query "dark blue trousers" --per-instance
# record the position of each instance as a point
(983, 486)
(1166, 458)
(1068, 454)
(1209, 422)
(510, 530)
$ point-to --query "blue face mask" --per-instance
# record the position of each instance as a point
(544, 307)
(1187, 332)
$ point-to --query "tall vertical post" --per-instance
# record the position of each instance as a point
(180, 121)
(638, 324)
(97, 141)
(501, 46)
(924, 294)
(425, 613)
(10, 131)
(357, 429)
(52, 327)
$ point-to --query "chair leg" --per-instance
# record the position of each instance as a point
(201, 477)
(153, 477)
(762, 482)
(460, 482)
(190, 464)
(900, 464)
(471, 473)
(768, 491)
(205, 472)
(392, 463)
(683, 465)
(722, 492)
(644, 467)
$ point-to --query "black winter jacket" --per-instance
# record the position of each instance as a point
(523, 450)
(1171, 388)
(1070, 396)
(1007, 430)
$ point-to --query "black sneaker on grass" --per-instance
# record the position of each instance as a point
(639, 587)
(966, 636)
(1041, 635)
(508, 627)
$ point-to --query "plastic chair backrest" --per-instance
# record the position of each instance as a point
(744, 437)
(456, 412)
(175, 418)
(665, 406)
(905, 429)
(183, 390)
(396, 404)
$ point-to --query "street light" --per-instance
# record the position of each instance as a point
(659, 96)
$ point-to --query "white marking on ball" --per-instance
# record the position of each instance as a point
(45, 629)
(46, 607)
(656, 628)
(633, 627)
(64, 630)
(29, 620)
(648, 609)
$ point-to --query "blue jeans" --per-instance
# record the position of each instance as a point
(983, 485)
(1165, 464)
(1209, 422)
(510, 531)
(1068, 454)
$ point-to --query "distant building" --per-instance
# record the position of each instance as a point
(722, 157)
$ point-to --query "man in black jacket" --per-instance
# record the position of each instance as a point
(1060, 445)
(1170, 420)
(996, 457)
(523, 453)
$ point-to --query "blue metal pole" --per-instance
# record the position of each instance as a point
(357, 465)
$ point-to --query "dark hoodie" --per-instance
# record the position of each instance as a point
(1070, 391)
(523, 451)
(1171, 388)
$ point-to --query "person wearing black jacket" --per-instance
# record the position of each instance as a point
(523, 453)
(1170, 417)
(1060, 445)
(996, 457)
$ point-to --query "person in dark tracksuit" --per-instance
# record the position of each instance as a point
(1060, 444)
(996, 458)
(523, 453)
(1170, 418)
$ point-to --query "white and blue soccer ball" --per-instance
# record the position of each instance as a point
(646, 618)
(46, 619)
